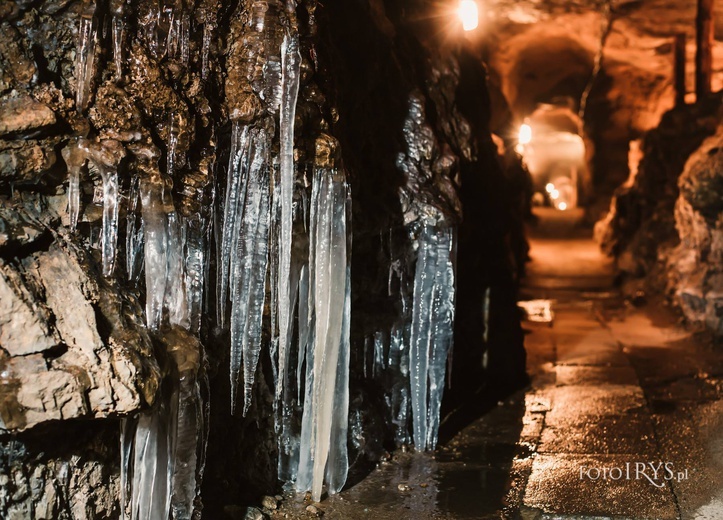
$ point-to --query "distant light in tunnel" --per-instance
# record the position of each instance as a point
(562, 206)
(525, 135)
(549, 188)
(468, 13)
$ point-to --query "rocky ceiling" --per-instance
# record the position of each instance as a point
(541, 49)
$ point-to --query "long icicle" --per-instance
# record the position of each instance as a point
(248, 271)
(235, 187)
(85, 55)
(327, 366)
(106, 156)
(291, 62)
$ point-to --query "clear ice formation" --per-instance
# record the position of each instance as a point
(291, 62)
(245, 248)
(105, 157)
(85, 55)
(134, 232)
(194, 238)
(75, 158)
(323, 454)
(411, 359)
(164, 259)
(117, 31)
(432, 329)
(161, 458)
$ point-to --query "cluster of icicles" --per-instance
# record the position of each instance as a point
(280, 226)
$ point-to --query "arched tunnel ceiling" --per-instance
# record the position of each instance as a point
(536, 50)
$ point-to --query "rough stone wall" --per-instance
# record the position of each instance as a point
(90, 359)
(640, 224)
(695, 266)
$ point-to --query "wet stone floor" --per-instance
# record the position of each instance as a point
(623, 418)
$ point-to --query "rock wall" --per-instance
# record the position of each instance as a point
(410, 114)
(640, 224)
(695, 266)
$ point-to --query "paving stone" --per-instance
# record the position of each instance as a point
(594, 375)
(555, 486)
(601, 435)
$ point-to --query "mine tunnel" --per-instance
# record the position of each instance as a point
(390, 259)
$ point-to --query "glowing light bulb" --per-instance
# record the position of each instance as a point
(554, 194)
(525, 135)
(549, 187)
(468, 14)
(562, 206)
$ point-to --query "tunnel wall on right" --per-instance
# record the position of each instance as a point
(665, 223)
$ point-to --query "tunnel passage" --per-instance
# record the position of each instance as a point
(260, 246)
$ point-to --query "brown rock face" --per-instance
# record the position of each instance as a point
(696, 265)
(63, 362)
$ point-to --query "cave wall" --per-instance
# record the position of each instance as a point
(695, 266)
(410, 112)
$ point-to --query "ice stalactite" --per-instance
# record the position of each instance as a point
(248, 273)
(161, 449)
(127, 425)
(85, 54)
(134, 232)
(206, 18)
(173, 130)
(179, 30)
(323, 455)
(188, 420)
(151, 457)
(75, 158)
(432, 329)
(195, 265)
(287, 404)
(266, 20)
(117, 8)
(398, 400)
(235, 189)
(105, 157)
(163, 246)
(291, 62)
(205, 48)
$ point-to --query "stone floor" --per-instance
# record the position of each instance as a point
(618, 391)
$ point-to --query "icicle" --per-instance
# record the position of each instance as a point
(127, 432)
(134, 232)
(175, 297)
(248, 273)
(106, 156)
(323, 438)
(118, 29)
(443, 330)
(305, 324)
(432, 330)
(85, 55)
(422, 335)
(205, 48)
(163, 450)
(265, 19)
(156, 254)
(187, 425)
(151, 487)
(235, 189)
(378, 365)
(399, 399)
(195, 257)
(174, 122)
(291, 61)
(179, 33)
(74, 159)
